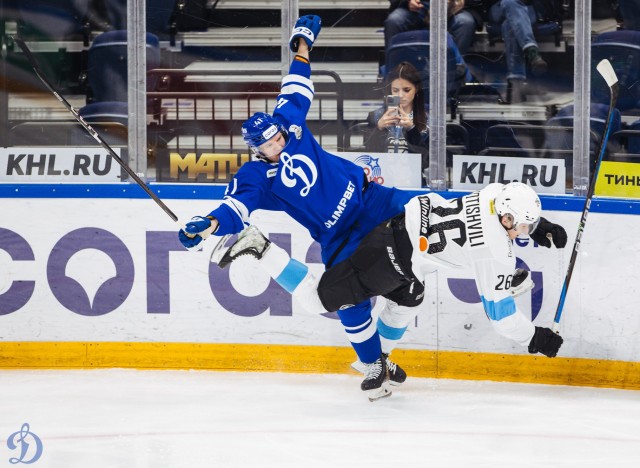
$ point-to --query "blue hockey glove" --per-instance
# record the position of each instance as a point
(307, 27)
(196, 230)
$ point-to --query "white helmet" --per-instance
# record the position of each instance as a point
(522, 203)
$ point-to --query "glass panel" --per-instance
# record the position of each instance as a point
(80, 53)
(522, 67)
(616, 37)
(214, 62)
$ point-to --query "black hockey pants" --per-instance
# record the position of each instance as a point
(380, 266)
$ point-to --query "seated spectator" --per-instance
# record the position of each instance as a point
(465, 19)
(630, 13)
(519, 42)
(401, 129)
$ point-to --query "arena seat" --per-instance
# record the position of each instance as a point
(622, 49)
(158, 14)
(54, 20)
(107, 65)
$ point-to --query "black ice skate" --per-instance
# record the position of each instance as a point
(397, 375)
(250, 242)
(376, 379)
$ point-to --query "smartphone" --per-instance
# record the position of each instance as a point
(392, 101)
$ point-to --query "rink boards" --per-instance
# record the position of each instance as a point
(94, 276)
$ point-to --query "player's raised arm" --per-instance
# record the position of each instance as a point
(304, 34)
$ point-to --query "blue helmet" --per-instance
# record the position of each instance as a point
(259, 128)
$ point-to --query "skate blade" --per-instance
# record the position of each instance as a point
(379, 393)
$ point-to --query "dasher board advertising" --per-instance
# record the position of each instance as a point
(403, 170)
(473, 172)
(57, 164)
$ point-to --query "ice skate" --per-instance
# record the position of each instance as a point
(397, 375)
(249, 242)
(376, 379)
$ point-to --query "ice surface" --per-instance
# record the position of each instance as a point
(135, 418)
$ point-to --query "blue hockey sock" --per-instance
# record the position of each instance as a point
(361, 331)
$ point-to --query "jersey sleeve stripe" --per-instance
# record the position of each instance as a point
(238, 208)
(499, 310)
(297, 89)
(299, 79)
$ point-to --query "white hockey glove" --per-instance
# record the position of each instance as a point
(521, 282)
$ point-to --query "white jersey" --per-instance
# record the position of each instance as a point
(466, 232)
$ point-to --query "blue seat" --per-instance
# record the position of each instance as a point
(54, 20)
(158, 14)
(634, 141)
(598, 119)
(114, 111)
(565, 119)
(413, 47)
(107, 65)
(622, 49)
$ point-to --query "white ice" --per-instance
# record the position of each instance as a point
(135, 418)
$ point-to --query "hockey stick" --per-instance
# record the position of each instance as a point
(606, 70)
(92, 132)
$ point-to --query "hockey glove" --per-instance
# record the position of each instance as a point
(521, 282)
(546, 342)
(558, 234)
(196, 230)
(307, 27)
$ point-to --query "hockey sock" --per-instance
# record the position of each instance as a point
(389, 336)
(294, 277)
(361, 331)
(392, 324)
(286, 271)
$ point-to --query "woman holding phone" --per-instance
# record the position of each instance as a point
(400, 126)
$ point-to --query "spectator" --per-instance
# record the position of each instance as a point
(520, 44)
(630, 13)
(401, 129)
(407, 15)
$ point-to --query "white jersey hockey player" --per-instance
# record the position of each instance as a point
(476, 230)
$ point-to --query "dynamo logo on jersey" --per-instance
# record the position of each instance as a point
(371, 168)
(298, 168)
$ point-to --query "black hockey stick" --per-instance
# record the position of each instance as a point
(606, 70)
(91, 131)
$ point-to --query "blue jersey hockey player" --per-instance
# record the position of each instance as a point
(328, 195)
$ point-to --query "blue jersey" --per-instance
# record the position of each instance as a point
(323, 192)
